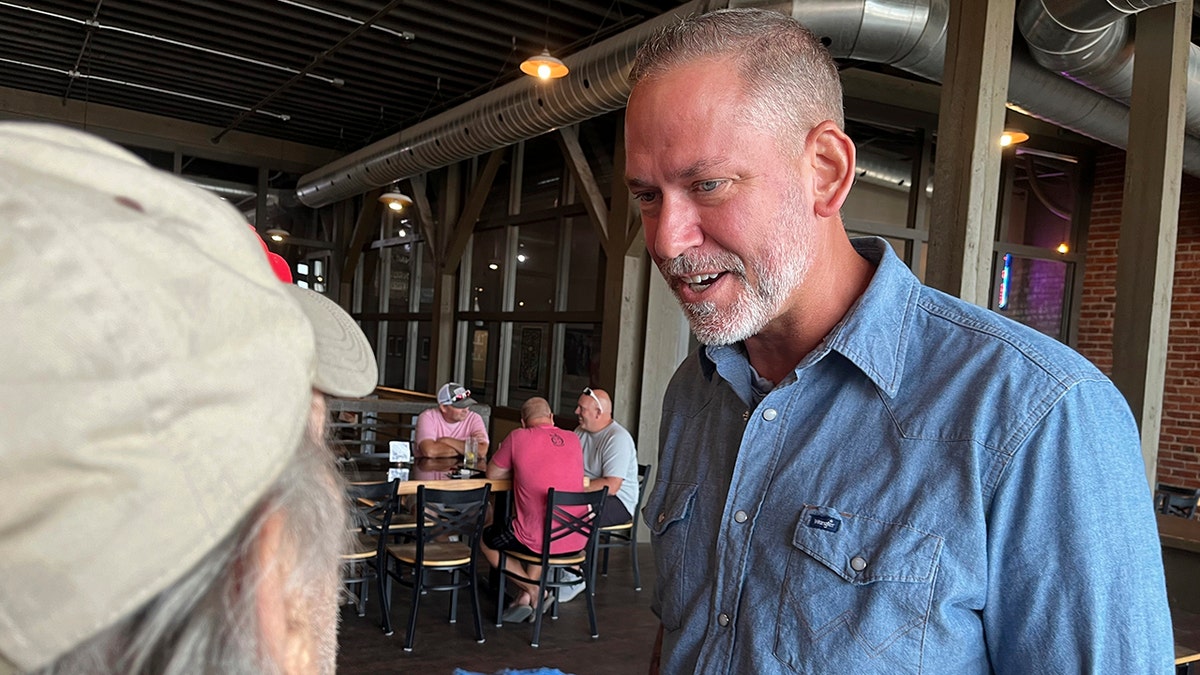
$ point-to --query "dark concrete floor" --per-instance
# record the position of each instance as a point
(626, 624)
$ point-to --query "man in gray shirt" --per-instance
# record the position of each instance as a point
(609, 460)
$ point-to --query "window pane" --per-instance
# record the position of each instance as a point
(584, 277)
(581, 364)
(1031, 291)
(487, 270)
(396, 354)
(482, 361)
(530, 358)
(424, 334)
(544, 169)
(1040, 208)
(400, 277)
(428, 279)
(537, 266)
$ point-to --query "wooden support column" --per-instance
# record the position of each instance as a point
(970, 120)
(1150, 217)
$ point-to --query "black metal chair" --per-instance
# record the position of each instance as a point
(625, 534)
(368, 504)
(1173, 500)
(567, 514)
(446, 545)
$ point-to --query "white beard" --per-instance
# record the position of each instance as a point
(777, 273)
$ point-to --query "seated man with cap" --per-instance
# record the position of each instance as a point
(184, 514)
(444, 430)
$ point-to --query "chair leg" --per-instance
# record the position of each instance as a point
(537, 607)
(591, 601)
(478, 616)
(633, 555)
(385, 598)
(500, 591)
(454, 575)
(418, 583)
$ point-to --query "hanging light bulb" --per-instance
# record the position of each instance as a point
(544, 66)
(395, 199)
(1012, 137)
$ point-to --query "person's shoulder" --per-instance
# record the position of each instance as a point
(993, 341)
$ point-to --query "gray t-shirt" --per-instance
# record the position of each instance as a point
(610, 452)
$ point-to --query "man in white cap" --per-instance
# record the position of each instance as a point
(444, 431)
(170, 505)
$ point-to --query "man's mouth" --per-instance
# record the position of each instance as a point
(700, 282)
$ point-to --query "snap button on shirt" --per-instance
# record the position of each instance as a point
(740, 517)
(770, 414)
(858, 563)
(723, 619)
(662, 517)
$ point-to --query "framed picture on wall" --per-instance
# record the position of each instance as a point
(529, 367)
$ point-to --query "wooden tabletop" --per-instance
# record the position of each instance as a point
(409, 487)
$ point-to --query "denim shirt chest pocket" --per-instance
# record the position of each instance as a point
(857, 593)
(667, 513)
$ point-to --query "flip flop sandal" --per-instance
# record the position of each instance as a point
(517, 613)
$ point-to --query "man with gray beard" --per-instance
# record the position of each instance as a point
(858, 473)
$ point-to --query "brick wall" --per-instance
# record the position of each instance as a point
(1179, 444)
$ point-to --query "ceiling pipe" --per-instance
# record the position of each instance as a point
(1091, 42)
(907, 34)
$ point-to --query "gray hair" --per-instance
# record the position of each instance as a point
(787, 74)
(207, 621)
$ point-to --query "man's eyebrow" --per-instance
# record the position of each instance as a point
(697, 168)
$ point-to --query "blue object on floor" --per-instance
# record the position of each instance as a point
(534, 671)
(509, 671)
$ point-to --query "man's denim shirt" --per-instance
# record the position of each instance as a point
(935, 489)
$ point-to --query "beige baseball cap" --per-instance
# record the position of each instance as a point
(154, 378)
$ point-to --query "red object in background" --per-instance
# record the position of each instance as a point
(280, 266)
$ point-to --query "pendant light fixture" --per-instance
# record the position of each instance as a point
(544, 66)
(1012, 137)
(395, 199)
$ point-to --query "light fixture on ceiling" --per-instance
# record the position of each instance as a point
(1012, 137)
(395, 199)
(544, 67)
(276, 234)
(493, 264)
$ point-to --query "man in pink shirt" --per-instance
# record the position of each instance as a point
(444, 430)
(537, 457)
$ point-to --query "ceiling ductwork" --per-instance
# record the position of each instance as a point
(906, 34)
(1091, 42)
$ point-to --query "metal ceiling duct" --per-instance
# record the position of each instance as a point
(1091, 42)
(906, 34)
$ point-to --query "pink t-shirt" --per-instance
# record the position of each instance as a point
(541, 458)
(432, 426)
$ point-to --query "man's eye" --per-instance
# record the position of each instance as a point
(708, 185)
(645, 197)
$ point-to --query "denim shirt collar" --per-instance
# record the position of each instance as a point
(873, 335)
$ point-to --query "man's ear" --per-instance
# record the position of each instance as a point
(830, 154)
(280, 614)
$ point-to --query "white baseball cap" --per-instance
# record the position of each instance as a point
(455, 395)
(154, 379)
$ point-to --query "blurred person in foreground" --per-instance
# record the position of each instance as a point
(858, 473)
(170, 504)
(537, 457)
(444, 431)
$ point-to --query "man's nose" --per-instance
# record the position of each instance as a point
(677, 228)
